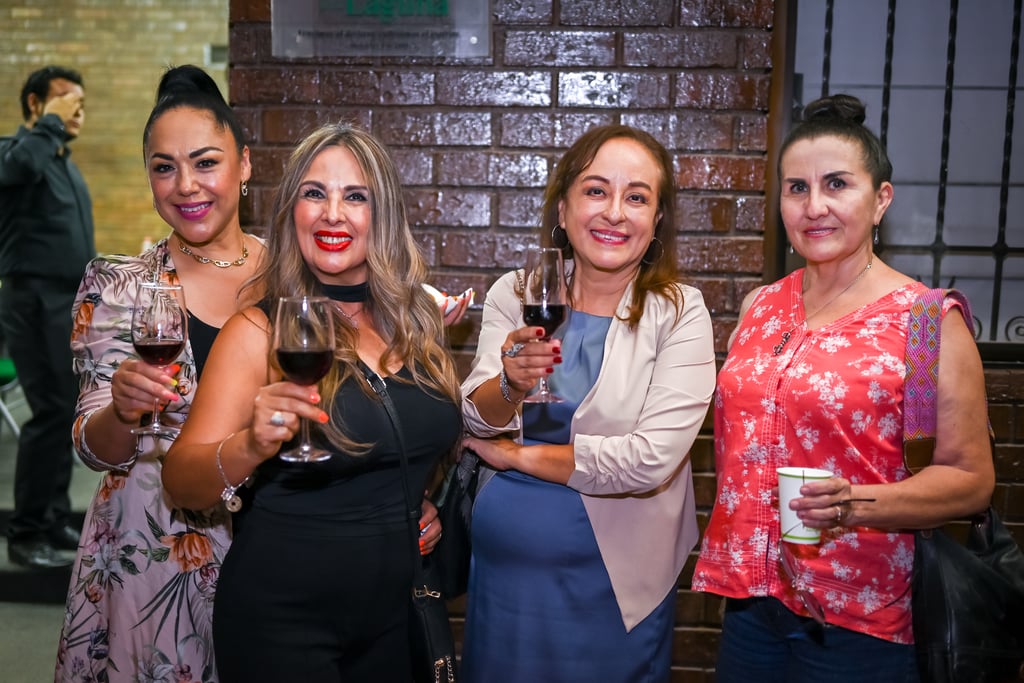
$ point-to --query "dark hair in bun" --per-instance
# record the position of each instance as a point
(189, 86)
(842, 116)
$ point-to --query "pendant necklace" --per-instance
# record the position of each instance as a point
(348, 294)
(788, 334)
(240, 261)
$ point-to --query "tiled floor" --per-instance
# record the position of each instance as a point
(29, 631)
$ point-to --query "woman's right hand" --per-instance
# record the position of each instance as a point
(526, 359)
(136, 385)
(277, 413)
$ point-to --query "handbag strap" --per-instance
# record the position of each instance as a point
(412, 507)
(921, 381)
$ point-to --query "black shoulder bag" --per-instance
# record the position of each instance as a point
(967, 599)
(430, 634)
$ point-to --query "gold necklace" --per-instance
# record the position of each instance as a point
(350, 318)
(788, 334)
(240, 261)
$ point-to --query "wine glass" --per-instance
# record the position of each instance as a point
(159, 330)
(304, 343)
(544, 303)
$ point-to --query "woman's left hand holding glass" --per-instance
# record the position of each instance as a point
(526, 359)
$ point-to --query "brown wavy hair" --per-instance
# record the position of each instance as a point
(659, 270)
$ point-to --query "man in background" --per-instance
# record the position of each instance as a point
(46, 240)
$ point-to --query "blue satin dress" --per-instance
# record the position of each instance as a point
(540, 604)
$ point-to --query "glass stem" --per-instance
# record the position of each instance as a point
(304, 444)
(155, 422)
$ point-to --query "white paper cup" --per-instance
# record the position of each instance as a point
(790, 481)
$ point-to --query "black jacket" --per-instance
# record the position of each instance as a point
(46, 228)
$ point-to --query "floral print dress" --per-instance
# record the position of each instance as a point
(140, 603)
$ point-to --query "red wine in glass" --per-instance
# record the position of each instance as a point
(544, 303)
(549, 317)
(304, 348)
(159, 352)
(159, 328)
(305, 366)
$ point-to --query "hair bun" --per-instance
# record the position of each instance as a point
(843, 107)
(187, 80)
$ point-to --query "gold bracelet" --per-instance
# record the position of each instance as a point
(231, 500)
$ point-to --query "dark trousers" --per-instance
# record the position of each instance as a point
(35, 317)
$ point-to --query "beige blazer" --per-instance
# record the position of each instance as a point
(631, 436)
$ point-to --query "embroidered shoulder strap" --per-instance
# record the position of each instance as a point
(920, 387)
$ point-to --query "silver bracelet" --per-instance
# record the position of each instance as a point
(231, 500)
(505, 389)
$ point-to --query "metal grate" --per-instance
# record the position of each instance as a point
(995, 270)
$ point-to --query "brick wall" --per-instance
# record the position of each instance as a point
(121, 47)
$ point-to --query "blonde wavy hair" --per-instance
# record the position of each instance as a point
(404, 315)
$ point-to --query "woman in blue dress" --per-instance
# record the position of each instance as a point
(585, 515)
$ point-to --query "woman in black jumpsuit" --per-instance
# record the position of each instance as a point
(316, 585)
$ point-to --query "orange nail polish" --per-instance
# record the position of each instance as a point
(324, 418)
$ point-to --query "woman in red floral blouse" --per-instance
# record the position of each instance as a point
(814, 378)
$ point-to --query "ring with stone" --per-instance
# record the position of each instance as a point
(277, 419)
(514, 350)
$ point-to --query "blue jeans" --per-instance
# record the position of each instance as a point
(763, 641)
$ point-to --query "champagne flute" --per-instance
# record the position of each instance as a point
(304, 344)
(544, 303)
(159, 330)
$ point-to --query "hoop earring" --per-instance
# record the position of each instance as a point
(559, 237)
(245, 189)
(650, 259)
(875, 238)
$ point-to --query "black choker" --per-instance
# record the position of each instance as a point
(347, 293)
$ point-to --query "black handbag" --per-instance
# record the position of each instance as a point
(431, 643)
(967, 599)
(455, 510)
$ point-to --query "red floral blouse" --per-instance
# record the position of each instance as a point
(832, 398)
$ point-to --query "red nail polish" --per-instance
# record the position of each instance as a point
(549, 370)
(540, 331)
(558, 359)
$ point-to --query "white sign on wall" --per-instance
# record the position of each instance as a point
(381, 28)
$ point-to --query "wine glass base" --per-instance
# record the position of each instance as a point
(159, 430)
(308, 454)
(543, 398)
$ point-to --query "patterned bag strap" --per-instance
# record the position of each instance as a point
(920, 387)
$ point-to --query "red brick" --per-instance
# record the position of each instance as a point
(617, 13)
(756, 48)
(249, 10)
(717, 292)
(267, 163)
(759, 13)
(702, 213)
(515, 12)
(722, 90)
(275, 85)
(718, 172)
(686, 130)
(449, 207)
(404, 88)
(721, 255)
(681, 49)
(613, 89)
(545, 129)
(519, 209)
(349, 87)
(753, 133)
(494, 88)
(561, 48)
(424, 128)
(750, 214)
(415, 166)
(289, 126)
(248, 44)
(498, 251)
